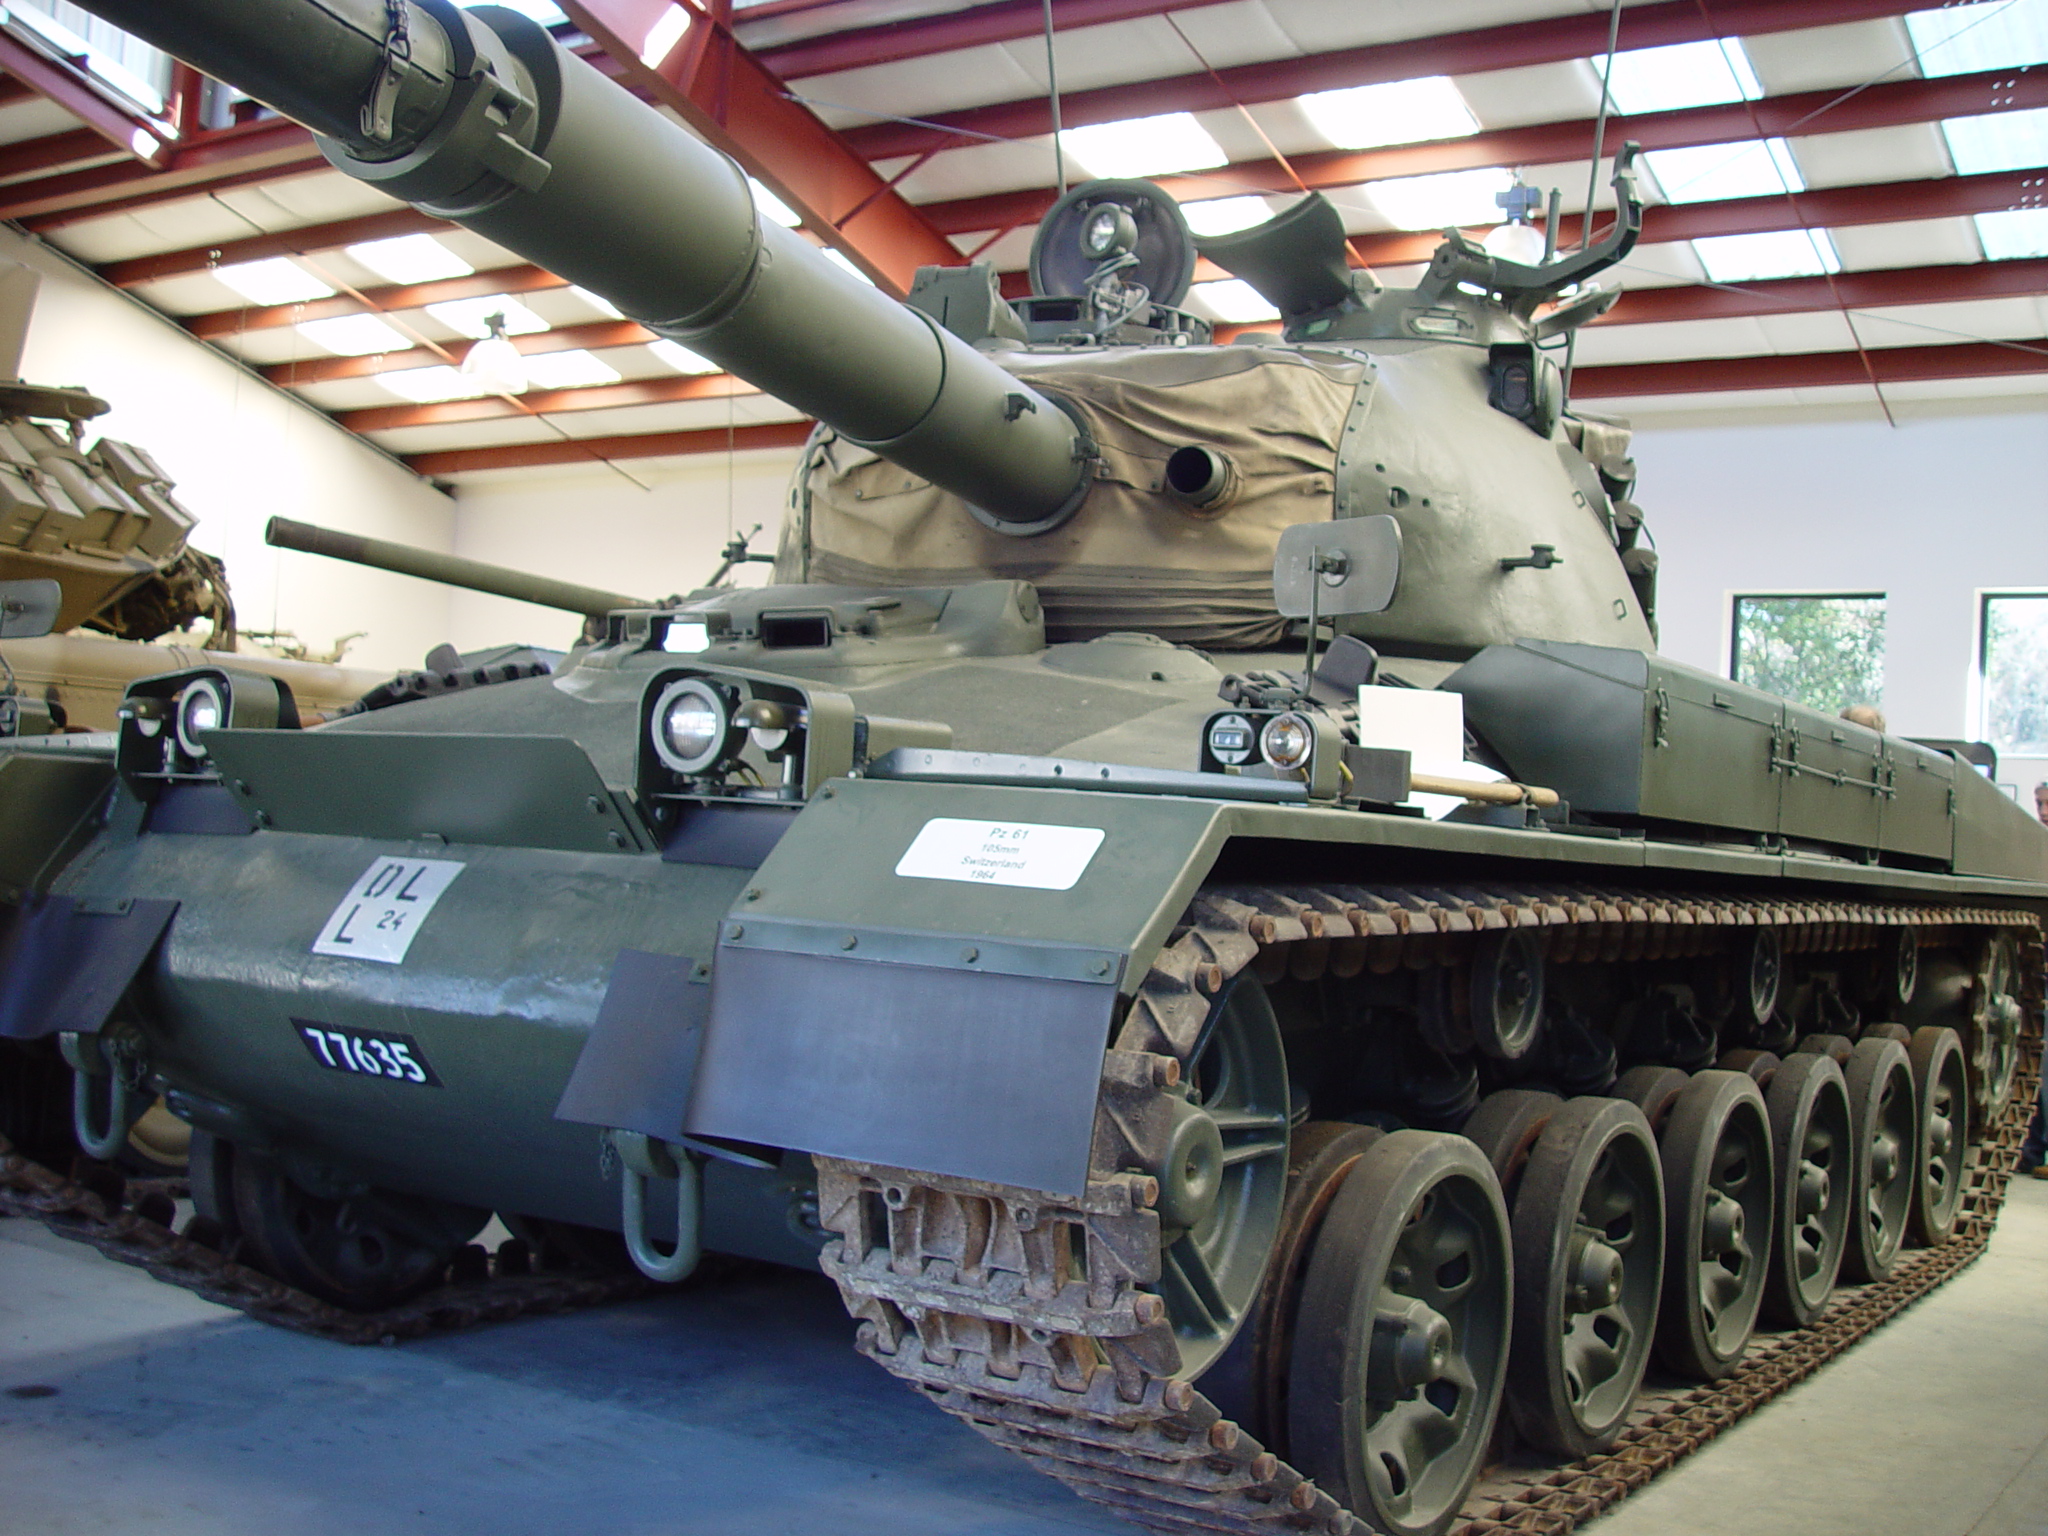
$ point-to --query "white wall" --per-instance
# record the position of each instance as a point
(661, 531)
(1927, 512)
(240, 452)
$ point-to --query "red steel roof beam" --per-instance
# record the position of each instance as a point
(302, 241)
(74, 90)
(725, 95)
(1890, 105)
(264, 150)
(563, 338)
(1814, 370)
(547, 402)
(215, 324)
(1456, 53)
(1550, 40)
(643, 445)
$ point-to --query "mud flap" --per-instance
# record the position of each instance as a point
(965, 1072)
(636, 1069)
(925, 975)
(64, 963)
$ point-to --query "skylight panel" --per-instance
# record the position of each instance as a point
(1234, 301)
(539, 10)
(1450, 199)
(845, 264)
(598, 302)
(773, 208)
(681, 358)
(410, 259)
(1682, 75)
(1965, 39)
(1225, 215)
(1759, 257)
(1144, 146)
(2014, 234)
(568, 370)
(1998, 141)
(1709, 173)
(472, 316)
(274, 280)
(430, 386)
(354, 336)
(1398, 112)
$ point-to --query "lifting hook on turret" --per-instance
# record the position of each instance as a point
(1541, 557)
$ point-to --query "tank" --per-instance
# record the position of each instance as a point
(1192, 897)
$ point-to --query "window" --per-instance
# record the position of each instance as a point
(1823, 649)
(2012, 661)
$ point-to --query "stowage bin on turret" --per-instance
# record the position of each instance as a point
(1193, 859)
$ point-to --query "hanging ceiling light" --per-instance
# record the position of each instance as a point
(494, 362)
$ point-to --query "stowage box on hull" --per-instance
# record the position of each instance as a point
(1623, 734)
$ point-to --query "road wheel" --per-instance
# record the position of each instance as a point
(1401, 1339)
(1716, 1153)
(1886, 1127)
(1812, 1146)
(1588, 1230)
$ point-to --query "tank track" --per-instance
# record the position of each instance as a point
(134, 1227)
(1028, 1316)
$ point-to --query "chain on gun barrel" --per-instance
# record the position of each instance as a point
(482, 118)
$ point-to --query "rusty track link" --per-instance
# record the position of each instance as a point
(71, 1209)
(1029, 1317)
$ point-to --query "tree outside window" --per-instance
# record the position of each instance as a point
(2013, 662)
(1825, 650)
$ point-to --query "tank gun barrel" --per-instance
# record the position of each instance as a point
(431, 565)
(482, 118)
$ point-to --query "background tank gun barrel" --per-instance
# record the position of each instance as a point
(431, 565)
(481, 117)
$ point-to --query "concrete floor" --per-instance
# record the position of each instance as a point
(740, 1408)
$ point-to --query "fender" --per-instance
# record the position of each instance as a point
(958, 1023)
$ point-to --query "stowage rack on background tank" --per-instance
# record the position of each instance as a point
(1170, 1096)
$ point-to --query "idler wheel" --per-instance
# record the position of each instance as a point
(1812, 1146)
(1994, 1033)
(363, 1250)
(1224, 1180)
(1941, 1092)
(1401, 1338)
(1716, 1153)
(1588, 1230)
(1249, 1381)
(1886, 1125)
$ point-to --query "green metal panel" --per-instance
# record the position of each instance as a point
(510, 791)
(1917, 816)
(47, 805)
(1994, 836)
(1833, 779)
(836, 868)
(1709, 751)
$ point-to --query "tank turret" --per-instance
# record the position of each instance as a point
(1090, 440)
(451, 570)
(101, 520)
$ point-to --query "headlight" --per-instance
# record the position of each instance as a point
(690, 726)
(1287, 742)
(1231, 739)
(200, 708)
